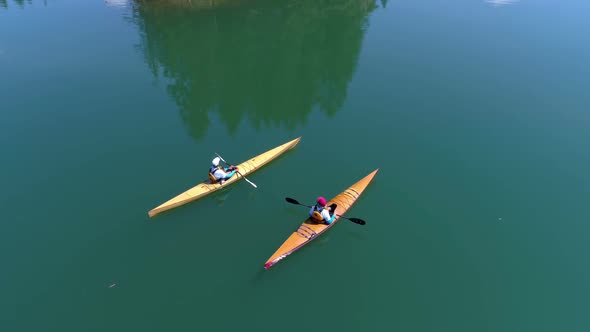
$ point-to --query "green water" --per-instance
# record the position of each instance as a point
(475, 112)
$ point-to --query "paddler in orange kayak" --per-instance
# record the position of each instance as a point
(322, 214)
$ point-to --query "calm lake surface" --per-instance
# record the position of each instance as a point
(477, 114)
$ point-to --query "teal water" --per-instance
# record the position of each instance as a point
(475, 112)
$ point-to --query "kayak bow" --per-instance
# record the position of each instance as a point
(206, 187)
(310, 230)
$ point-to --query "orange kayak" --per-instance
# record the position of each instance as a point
(310, 230)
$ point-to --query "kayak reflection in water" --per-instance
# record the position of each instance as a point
(322, 214)
(218, 174)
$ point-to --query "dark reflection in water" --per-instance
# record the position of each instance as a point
(18, 3)
(269, 62)
(195, 4)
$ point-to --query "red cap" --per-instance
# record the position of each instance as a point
(322, 201)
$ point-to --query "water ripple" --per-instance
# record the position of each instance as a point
(117, 3)
(499, 3)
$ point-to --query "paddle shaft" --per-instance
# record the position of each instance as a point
(242, 175)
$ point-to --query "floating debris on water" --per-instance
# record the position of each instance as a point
(112, 285)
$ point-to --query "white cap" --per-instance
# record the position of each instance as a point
(215, 161)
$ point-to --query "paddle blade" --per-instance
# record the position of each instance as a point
(250, 182)
(225, 162)
(357, 221)
(291, 200)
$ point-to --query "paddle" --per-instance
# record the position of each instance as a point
(228, 164)
(354, 220)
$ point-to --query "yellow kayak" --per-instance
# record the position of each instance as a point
(206, 187)
(310, 229)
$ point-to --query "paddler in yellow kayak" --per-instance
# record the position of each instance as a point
(218, 174)
(322, 214)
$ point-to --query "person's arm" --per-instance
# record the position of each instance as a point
(311, 211)
(326, 215)
(229, 175)
(331, 219)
